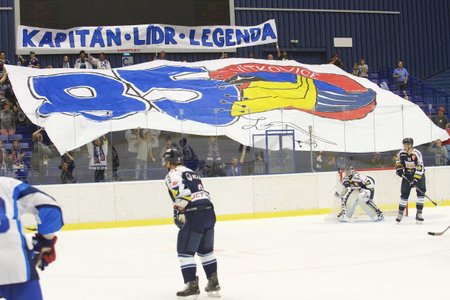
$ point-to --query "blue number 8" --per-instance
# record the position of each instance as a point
(4, 222)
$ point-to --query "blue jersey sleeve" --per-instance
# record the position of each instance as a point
(49, 213)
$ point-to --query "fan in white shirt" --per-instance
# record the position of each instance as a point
(101, 62)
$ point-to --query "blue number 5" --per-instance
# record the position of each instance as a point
(4, 222)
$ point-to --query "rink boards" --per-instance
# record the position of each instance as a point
(122, 204)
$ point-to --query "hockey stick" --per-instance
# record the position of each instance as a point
(439, 233)
(417, 188)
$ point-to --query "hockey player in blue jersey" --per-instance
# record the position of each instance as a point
(194, 215)
(18, 276)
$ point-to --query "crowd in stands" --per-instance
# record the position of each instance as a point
(28, 153)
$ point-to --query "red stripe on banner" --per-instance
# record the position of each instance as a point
(342, 81)
(348, 115)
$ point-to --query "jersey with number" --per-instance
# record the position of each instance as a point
(185, 184)
(411, 162)
(359, 181)
(16, 199)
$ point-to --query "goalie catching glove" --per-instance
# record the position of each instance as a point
(43, 250)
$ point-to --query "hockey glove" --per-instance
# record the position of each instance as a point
(399, 172)
(414, 182)
(43, 250)
(179, 218)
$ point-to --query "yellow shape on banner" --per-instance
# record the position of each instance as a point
(261, 96)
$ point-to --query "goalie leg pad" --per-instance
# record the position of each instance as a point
(351, 204)
(369, 210)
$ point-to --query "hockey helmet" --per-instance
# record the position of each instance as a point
(408, 141)
(174, 156)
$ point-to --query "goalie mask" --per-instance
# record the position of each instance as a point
(349, 171)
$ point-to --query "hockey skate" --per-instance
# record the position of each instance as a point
(213, 287)
(419, 218)
(399, 217)
(190, 291)
(380, 216)
(341, 216)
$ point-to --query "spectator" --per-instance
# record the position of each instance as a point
(155, 135)
(235, 168)
(40, 155)
(82, 62)
(341, 163)
(330, 163)
(363, 69)
(3, 160)
(32, 62)
(19, 59)
(213, 149)
(66, 62)
(335, 60)
(212, 170)
(400, 76)
(66, 174)
(16, 155)
(3, 79)
(168, 144)
(440, 120)
(269, 57)
(384, 85)
(3, 62)
(115, 164)
(355, 71)
(251, 54)
(319, 161)
(144, 154)
(161, 56)
(190, 159)
(101, 63)
(131, 137)
(7, 119)
(440, 153)
(287, 162)
(224, 55)
(67, 166)
(98, 151)
(447, 142)
(377, 161)
(282, 55)
(259, 165)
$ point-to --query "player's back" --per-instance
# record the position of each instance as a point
(13, 249)
(18, 198)
(188, 184)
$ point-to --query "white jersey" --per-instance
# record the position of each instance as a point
(185, 185)
(16, 199)
(359, 181)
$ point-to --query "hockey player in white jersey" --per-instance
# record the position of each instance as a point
(18, 276)
(357, 189)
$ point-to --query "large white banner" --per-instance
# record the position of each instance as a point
(240, 98)
(145, 38)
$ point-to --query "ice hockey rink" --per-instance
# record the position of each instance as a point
(282, 258)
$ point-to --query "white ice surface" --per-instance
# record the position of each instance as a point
(287, 258)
